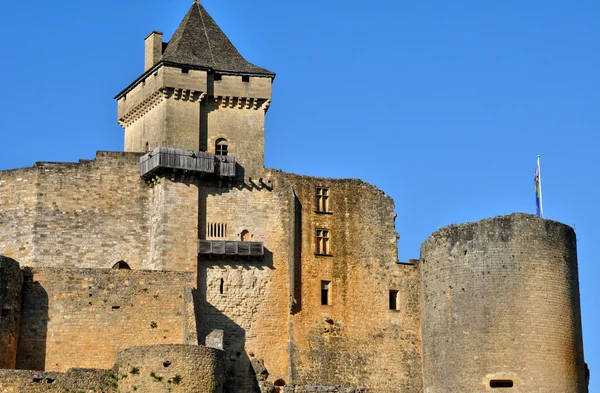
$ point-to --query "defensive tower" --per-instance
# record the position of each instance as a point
(198, 93)
(500, 308)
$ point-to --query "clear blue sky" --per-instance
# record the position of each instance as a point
(442, 104)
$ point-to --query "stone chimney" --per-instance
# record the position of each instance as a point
(153, 45)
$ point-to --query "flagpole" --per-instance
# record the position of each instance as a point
(540, 182)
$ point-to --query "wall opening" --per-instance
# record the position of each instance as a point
(221, 285)
(4, 312)
(217, 230)
(218, 77)
(245, 78)
(325, 293)
(322, 240)
(245, 236)
(393, 299)
(221, 147)
(501, 383)
(121, 265)
(322, 199)
(279, 386)
(185, 70)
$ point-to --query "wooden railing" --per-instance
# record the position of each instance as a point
(168, 158)
(231, 248)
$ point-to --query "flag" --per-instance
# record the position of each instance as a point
(538, 190)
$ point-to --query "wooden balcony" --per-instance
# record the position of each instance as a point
(231, 248)
(171, 159)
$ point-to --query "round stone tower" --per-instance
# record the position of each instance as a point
(11, 284)
(500, 308)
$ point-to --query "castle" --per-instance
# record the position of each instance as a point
(184, 265)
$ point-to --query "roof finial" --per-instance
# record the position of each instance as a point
(196, 1)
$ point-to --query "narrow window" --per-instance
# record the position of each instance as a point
(325, 293)
(218, 77)
(323, 247)
(221, 147)
(322, 199)
(245, 78)
(221, 285)
(501, 383)
(393, 299)
(147, 148)
(185, 70)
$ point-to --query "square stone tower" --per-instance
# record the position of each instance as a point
(198, 93)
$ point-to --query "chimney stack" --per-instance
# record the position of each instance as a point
(153, 46)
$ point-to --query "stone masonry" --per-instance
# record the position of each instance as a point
(175, 276)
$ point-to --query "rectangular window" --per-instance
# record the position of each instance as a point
(393, 299)
(501, 383)
(325, 293)
(322, 199)
(323, 247)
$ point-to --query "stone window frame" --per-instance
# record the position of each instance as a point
(323, 242)
(322, 200)
(326, 293)
(393, 300)
(221, 147)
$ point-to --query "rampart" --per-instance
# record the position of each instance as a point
(83, 317)
(157, 369)
(87, 214)
(171, 368)
(500, 307)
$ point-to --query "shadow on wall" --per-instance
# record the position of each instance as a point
(296, 266)
(240, 374)
(31, 352)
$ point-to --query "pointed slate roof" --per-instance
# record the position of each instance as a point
(200, 42)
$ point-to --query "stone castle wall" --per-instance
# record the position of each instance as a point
(83, 317)
(356, 340)
(90, 214)
(157, 369)
(173, 223)
(18, 199)
(74, 380)
(11, 285)
(171, 368)
(247, 298)
(500, 302)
